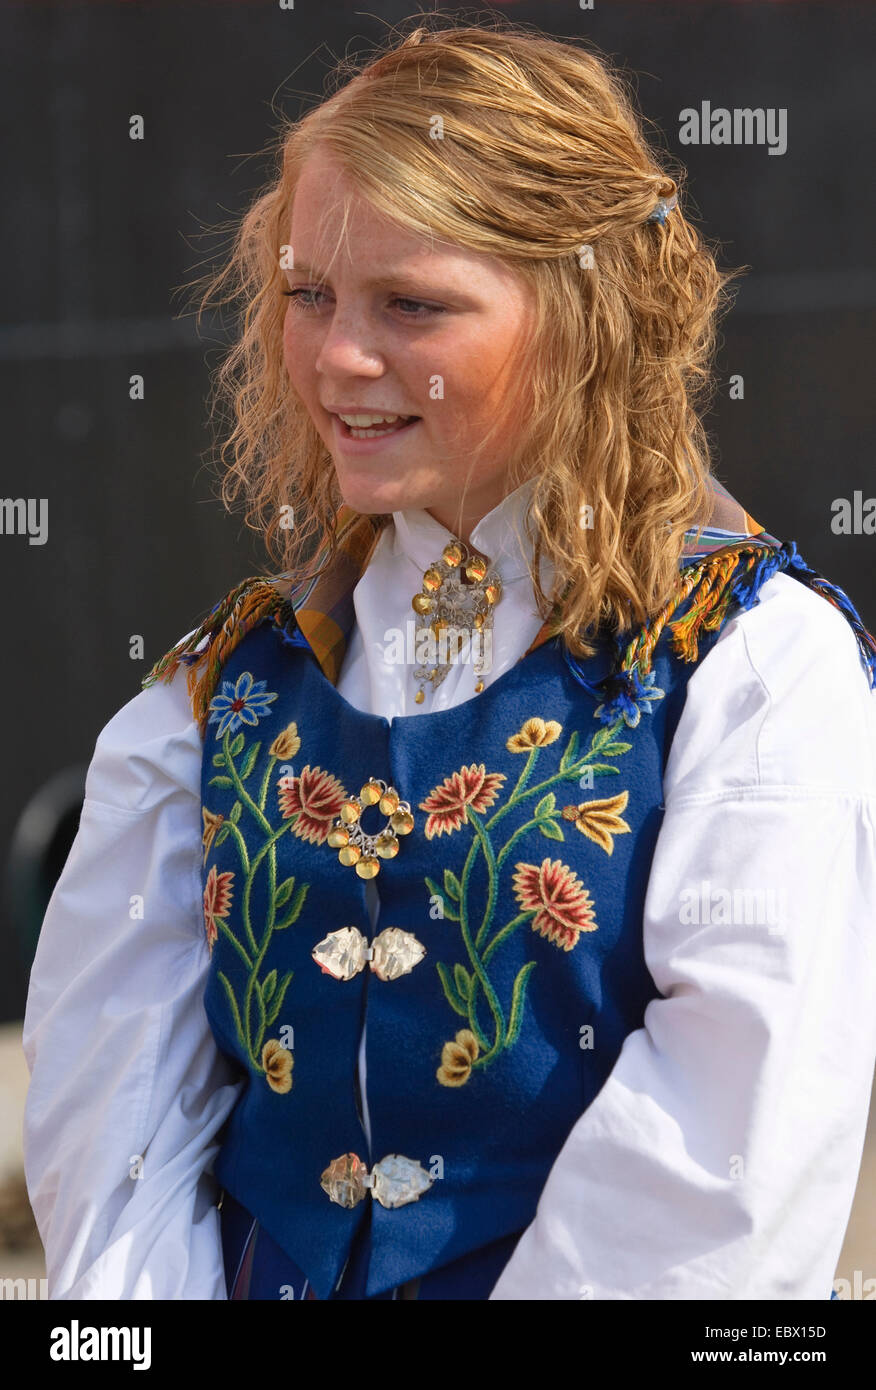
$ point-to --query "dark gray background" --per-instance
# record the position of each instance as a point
(99, 230)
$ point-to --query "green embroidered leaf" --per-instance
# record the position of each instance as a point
(295, 910)
(234, 813)
(517, 1001)
(551, 830)
(218, 759)
(270, 984)
(260, 1032)
(462, 980)
(546, 805)
(249, 761)
(235, 1012)
(220, 782)
(600, 738)
(453, 998)
(237, 745)
(222, 834)
(451, 886)
(284, 892)
(617, 748)
(569, 755)
(603, 767)
(435, 892)
(277, 1002)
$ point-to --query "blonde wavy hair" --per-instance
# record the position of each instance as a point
(542, 157)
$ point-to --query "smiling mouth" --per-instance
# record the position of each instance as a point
(376, 431)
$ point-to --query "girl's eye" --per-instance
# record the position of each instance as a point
(419, 310)
(296, 296)
(427, 308)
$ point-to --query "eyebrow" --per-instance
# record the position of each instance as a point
(376, 282)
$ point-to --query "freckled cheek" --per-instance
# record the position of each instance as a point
(298, 360)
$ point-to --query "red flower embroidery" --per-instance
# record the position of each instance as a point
(471, 786)
(315, 797)
(217, 901)
(564, 907)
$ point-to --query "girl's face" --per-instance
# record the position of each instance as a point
(394, 325)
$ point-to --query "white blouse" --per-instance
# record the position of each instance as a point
(720, 1158)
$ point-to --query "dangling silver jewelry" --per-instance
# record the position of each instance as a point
(445, 603)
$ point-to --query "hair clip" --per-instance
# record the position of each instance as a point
(664, 205)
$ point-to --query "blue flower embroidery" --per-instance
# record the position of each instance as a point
(627, 695)
(245, 702)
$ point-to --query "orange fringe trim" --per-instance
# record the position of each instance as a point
(237, 614)
(709, 581)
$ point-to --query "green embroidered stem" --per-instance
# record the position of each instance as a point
(272, 860)
(568, 774)
(450, 994)
(263, 794)
(502, 935)
(245, 906)
(492, 871)
(524, 776)
(234, 941)
(489, 992)
(250, 878)
(261, 1003)
(517, 999)
(242, 793)
(527, 825)
(272, 890)
(507, 930)
(241, 845)
(242, 1034)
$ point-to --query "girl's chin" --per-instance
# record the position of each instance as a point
(365, 492)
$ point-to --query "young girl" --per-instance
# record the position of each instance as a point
(486, 912)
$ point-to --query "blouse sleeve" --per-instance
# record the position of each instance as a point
(128, 1091)
(720, 1158)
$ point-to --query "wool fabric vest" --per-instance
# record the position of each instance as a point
(523, 879)
(507, 965)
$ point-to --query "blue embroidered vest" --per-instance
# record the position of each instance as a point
(517, 896)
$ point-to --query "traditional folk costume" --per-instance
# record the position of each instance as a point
(455, 999)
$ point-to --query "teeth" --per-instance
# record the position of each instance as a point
(364, 422)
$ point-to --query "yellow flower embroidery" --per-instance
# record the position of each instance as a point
(456, 1059)
(286, 744)
(212, 823)
(600, 820)
(536, 733)
(277, 1061)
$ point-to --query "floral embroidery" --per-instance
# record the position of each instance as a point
(217, 902)
(314, 797)
(472, 787)
(245, 702)
(536, 733)
(600, 821)
(562, 905)
(211, 825)
(457, 1058)
(631, 705)
(278, 1063)
(286, 744)
(550, 895)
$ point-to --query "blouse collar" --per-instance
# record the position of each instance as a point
(499, 536)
